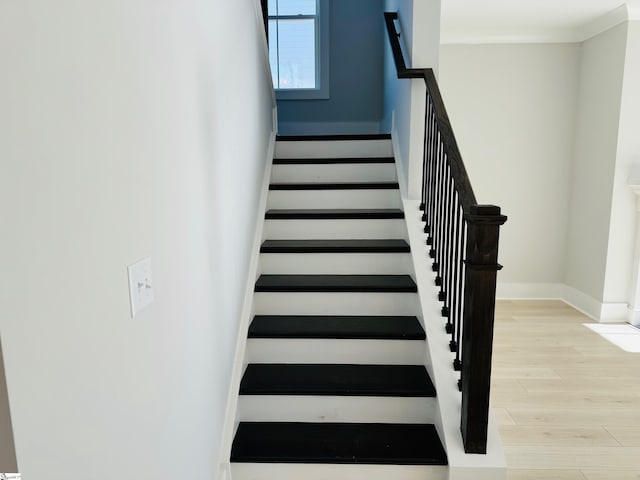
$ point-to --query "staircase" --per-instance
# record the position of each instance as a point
(336, 385)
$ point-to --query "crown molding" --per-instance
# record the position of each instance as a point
(603, 23)
(539, 36)
(629, 11)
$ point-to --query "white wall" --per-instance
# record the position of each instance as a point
(7, 448)
(618, 276)
(512, 109)
(128, 128)
(592, 174)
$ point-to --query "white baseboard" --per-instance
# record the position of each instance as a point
(402, 178)
(633, 317)
(614, 313)
(328, 128)
(581, 302)
(239, 363)
(604, 312)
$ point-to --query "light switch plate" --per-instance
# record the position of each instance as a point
(140, 285)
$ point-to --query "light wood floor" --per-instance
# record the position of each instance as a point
(567, 401)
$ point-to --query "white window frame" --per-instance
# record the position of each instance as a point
(321, 57)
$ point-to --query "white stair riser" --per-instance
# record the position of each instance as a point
(335, 303)
(382, 198)
(302, 350)
(336, 263)
(376, 172)
(308, 408)
(334, 149)
(297, 471)
(334, 229)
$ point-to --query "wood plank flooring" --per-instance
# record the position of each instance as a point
(566, 400)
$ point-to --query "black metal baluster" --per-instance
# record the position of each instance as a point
(446, 241)
(433, 240)
(428, 214)
(463, 282)
(451, 284)
(457, 285)
(423, 198)
(432, 177)
(441, 221)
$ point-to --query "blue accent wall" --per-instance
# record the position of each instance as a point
(356, 66)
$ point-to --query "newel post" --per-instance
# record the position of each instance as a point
(481, 267)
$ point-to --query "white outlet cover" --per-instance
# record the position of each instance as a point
(140, 285)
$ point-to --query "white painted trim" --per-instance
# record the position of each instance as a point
(329, 128)
(439, 358)
(402, 177)
(224, 472)
(604, 312)
(582, 302)
(274, 116)
(325, 471)
(257, 8)
(633, 317)
(239, 363)
(529, 291)
(614, 312)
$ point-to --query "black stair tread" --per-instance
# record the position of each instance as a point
(336, 246)
(332, 161)
(335, 186)
(339, 443)
(337, 379)
(366, 136)
(337, 214)
(336, 327)
(335, 283)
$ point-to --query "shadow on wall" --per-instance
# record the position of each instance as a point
(7, 449)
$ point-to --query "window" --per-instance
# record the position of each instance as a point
(298, 48)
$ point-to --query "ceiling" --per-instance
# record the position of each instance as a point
(475, 21)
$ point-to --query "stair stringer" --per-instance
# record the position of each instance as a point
(439, 361)
(240, 362)
(439, 364)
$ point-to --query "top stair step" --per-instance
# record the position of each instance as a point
(331, 161)
(334, 214)
(335, 186)
(304, 138)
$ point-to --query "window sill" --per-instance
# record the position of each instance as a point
(302, 94)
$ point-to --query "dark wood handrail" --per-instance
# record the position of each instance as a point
(463, 237)
(458, 170)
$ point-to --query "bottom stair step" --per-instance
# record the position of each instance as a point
(340, 443)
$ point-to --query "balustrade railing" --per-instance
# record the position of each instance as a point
(463, 245)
